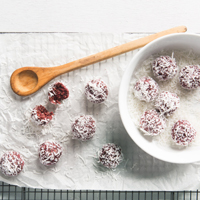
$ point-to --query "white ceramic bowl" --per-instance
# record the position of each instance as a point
(178, 41)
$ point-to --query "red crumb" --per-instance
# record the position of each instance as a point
(57, 93)
(41, 115)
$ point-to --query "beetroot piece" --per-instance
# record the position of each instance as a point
(41, 116)
(83, 127)
(167, 103)
(50, 153)
(189, 77)
(151, 123)
(164, 68)
(146, 89)
(96, 91)
(183, 133)
(110, 155)
(11, 163)
(57, 93)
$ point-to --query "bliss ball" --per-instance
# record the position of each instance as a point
(166, 103)
(164, 68)
(183, 133)
(50, 153)
(151, 123)
(110, 155)
(83, 127)
(96, 91)
(189, 77)
(41, 116)
(57, 93)
(146, 89)
(11, 163)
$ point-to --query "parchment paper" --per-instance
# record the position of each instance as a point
(78, 167)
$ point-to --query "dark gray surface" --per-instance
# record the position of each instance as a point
(13, 192)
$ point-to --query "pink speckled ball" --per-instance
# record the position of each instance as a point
(189, 77)
(146, 89)
(50, 153)
(164, 68)
(11, 163)
(183, 133)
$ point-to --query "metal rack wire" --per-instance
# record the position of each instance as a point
(11, 192)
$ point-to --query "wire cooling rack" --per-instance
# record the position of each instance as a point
(11, 192)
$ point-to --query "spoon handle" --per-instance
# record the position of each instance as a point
(113, 51)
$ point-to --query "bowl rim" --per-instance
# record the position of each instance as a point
(121, 98)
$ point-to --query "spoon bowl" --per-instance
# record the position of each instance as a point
(27, 80)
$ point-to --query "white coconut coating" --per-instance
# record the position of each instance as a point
(164, 68)
(11, 163)
(183, 133)
(189, 77)
(167, 103)
(151, 123)
(110, 155)
(50, 152)
(96, 91)
(83, 127)
(146, 89)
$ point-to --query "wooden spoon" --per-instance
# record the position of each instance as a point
(27, 80)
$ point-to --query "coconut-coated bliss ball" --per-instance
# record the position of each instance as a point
(110, 155)
(151, 123)
(146, 89)
(50, 153)
(11, 163)
(164, 68)
(189, 77)
(83, 127)
(57, 93)
(96, 91)
(167, 103)
(183, 133)
(41, 116)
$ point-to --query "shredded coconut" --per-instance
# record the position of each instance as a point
(146, 89)
(110, 155)
(96, 91)
(183, 133)
(50, 153)
(83, 127)
(190, 99)
(11, 163)
(151, 123)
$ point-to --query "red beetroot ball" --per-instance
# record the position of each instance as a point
(183, 133)
(41, 116)
(110, 155)
(167, 103)
(57, 93)
(189, 77)
(50, 153)
(146, 89)
(96, 91)
(164, 68)
(151, 123)
(83, 127)
(11, 163)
